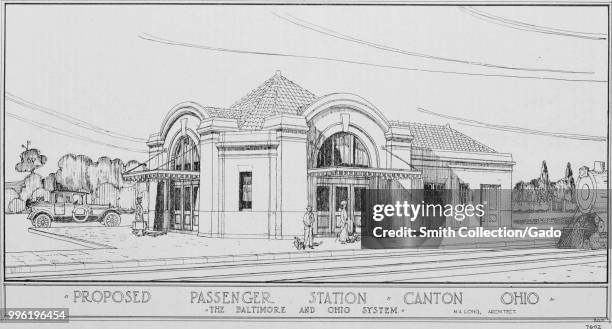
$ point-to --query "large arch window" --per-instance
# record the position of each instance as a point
(343, 150)
(185, 156)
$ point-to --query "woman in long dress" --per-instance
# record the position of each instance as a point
(343, 235)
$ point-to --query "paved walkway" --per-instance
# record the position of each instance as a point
(104, 247)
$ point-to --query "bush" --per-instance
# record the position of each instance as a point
(16, 206)
(41, 193)
(9, 195)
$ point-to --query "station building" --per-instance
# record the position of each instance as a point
(250, 170)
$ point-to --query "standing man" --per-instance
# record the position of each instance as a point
(139, 226)
(139, 210)
(309, 219)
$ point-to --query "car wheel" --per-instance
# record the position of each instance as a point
(42, 221)
(112, 219)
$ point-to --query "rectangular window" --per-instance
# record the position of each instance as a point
(341, 196)
(357, 201)
(196, 206)
(195, 198)
(433, 193)
(464, 193)
(177, 198)
(322, 198)
(187, 199)
(246, 186)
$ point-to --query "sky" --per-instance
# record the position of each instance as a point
(88, 61)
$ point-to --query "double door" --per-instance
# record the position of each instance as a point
(184, 210)
(329, 202)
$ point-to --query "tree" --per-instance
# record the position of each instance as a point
(49, 182)
(9, 195)
(32, 182)
(569, 176)
(544, 175)
(30, 159)
(105, 170)
(568, 171)
(73, 172)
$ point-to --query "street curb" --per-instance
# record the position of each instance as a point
(80, 242)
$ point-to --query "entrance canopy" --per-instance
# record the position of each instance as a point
(157, 174)
(364, 172)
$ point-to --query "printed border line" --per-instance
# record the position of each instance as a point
(331, 318)
(398, 3)
(293, 3)
(2, 160)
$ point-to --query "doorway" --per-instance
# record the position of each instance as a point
(328, 207)
(490, 197)
(158, 221)
(184, 212)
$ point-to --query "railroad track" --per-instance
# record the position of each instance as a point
(401, 266)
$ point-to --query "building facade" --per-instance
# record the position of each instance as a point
(251, 170)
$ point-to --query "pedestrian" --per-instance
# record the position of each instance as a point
(309, 219)
(139, 211)
(139, 226)
(343, 235)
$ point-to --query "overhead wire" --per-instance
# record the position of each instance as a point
(515, 129)
(497, 20)
(70, 119)
(70, 133)
(149, 37)
(335, 34)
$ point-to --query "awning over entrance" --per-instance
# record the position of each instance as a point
(364, 172)
(147, 175)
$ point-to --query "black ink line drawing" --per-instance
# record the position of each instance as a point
(157, 39)
(70, 134)
(249, 187)
(274, 187)
(70, 119)
(513, 24)
(480, 124)
(335, 34)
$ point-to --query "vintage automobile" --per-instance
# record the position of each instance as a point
(71, 206)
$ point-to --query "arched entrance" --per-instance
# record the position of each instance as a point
(183, 192)
(338, 159)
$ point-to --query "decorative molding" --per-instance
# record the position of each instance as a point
(140, 176)
(364, 172)
(234, 147)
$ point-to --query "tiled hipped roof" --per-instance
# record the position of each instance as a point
(277, 95)
(442, 138)
(217, 112)
(281, 95)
